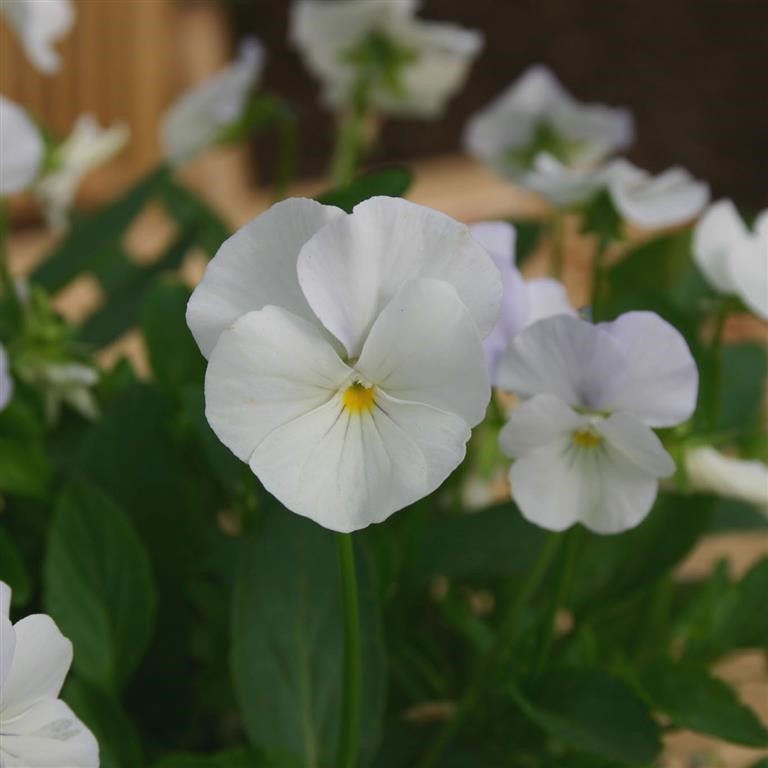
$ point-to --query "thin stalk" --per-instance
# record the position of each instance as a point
(504, 642)
(7, 287)
(598, 277)
(716, 350)
(350, 709)
(350, 139)
(558, 244)
(286, 161)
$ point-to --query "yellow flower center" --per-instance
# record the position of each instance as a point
(585, 438)
(359, 398)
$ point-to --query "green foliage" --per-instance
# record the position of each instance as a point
(593, 712)
(692, 698)
(13, 570)
(389, 182)
(99, 586)
(287, 643)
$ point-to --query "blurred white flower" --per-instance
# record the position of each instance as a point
(21, 148)
(582, 440)
(670, 198)
(64, 384)
(412, 67)
(6, 382)
(536, 134)
(87, 147)
(200, 116)
(39, 24)
(733, 259)
(345, 356)
(523, 301)
(37, 729)
(711, 471)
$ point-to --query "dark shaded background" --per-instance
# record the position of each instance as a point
(694, 72)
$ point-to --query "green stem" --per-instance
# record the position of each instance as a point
(288, 134)
(564, 578)
(350, 710)
(598, 277)
(558, 244)
(499, 654)
(350, 139)
(716, 350)
(7, 287)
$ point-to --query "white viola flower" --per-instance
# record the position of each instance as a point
(536, 134)
(64, 384)
(201, 115)
(21, 148)
(345, 362)
(670, 198)
(40, 24)
(6, 382)
(710, 471)
(87, 147)
(733, 259)
(412, 66)
(37, 729)
(523, 301)
(582, 440)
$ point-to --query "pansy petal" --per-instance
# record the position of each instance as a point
(547, 297)
(566, 357)
(7, 648)
(21, 148)
(661, 382)
(339, 468)
(717, 234)
(748, 267)
(256, 267)
(560, 484)
(355, 265)
(538, 422)
(425, 348)
(637, 443)
(270, 367)
(40, 25)
(5, 594)
(48, 735)
(40, 664)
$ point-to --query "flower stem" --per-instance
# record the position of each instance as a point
(350, 710)
(716, 351)
(598, 277)
(557, 224)
(350, 138)
(499, 654)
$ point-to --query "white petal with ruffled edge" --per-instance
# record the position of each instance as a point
(48, 735)
(256, 267)
(7, 649)
(660, 385)
(546, 297)
(566, 357)
(425, 348)
(40, 664)
(269, 368)
(355, 265)
(748, 268)
(21, 148)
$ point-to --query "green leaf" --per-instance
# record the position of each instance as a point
(24, 468)
(390, 182)
(90, 236)
(496, 541)
(13, 570)
(590, 711)
(233, 758)
(194, 216)
(119, 745)
(288, 643)
(175, 358)
(695, 700)
(98, 586)
(745, 368)
(126, 285)
(528, 233)
(612, 567)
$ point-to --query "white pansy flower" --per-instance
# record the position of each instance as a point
(711, 471)
(415, 66)
(64, 384)
(40, 24)
(201, 115)
(670, 198)
(6, 382)
(37, 729)
(538, 135)
(582, 440)
(87, 147)
(21, 148)
(733, 258)
(523, 301)
(345, 356)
